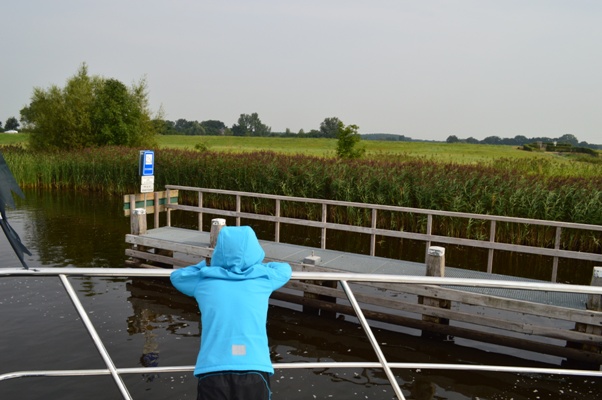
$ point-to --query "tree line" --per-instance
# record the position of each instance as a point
(96, 111)
(521, 140)
(12, 124)
(246, 125)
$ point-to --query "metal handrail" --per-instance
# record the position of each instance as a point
(312, 365)
(343, 278)
(325, 276)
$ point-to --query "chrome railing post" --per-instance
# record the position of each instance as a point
(95, 337)
(372, 338)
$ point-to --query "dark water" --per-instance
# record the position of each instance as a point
(141, 320)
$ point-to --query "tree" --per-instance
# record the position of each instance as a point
(452, 139)
(521, 140)
(250, 125)
(192, 128)
(164, 127)
(492, 140)
(567, 138)
(114, 115)
(214, 127)
(348, 138)
(89, 111)
(11, 124)
(329, 128)
(1, 129)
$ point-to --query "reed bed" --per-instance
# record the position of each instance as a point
(530, 188)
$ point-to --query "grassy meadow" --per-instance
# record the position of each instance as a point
(458, 152)
(461, 153)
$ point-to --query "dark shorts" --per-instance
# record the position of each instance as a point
(234, 385)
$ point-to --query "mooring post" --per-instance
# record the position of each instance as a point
(435, 261)
(594, 303)
(309, 264)
(435, 266)
(138, 221)
(216, 225)
(138, 227)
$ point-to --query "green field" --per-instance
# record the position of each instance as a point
(13, 138)
(390, 151)
(462, 153)
(457, 152)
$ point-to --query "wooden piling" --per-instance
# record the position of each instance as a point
(594, 303)
(216, 225)
(309, 264)
(435, 266)
(138, 221)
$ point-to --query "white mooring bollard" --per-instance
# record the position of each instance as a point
(216, 225)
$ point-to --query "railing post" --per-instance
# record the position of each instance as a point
(324, 219)
(373, 235)
(168, 222)
(277, 227)
(435, 266)
(200, 216)
(132, 204)
(379, 353)
(429, 231)
(555, 261)
(100, 347)
(492, 229)
(237, 209)
(156, 209)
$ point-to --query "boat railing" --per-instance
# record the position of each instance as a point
(343, 278)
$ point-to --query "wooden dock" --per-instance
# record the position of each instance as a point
(566, 325)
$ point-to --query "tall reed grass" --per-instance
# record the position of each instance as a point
(530, 188)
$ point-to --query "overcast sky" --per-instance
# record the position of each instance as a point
(424, 69)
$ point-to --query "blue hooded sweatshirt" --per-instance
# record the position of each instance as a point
(232, 295)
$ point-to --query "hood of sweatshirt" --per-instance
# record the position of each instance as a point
(237, 249)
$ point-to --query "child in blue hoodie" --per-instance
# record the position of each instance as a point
(232, 294)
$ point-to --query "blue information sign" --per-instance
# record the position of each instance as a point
(147, 162)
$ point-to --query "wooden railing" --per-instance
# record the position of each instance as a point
(428, 237)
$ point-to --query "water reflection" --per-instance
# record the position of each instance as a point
(75, 229)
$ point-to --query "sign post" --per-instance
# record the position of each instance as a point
(147, 171)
